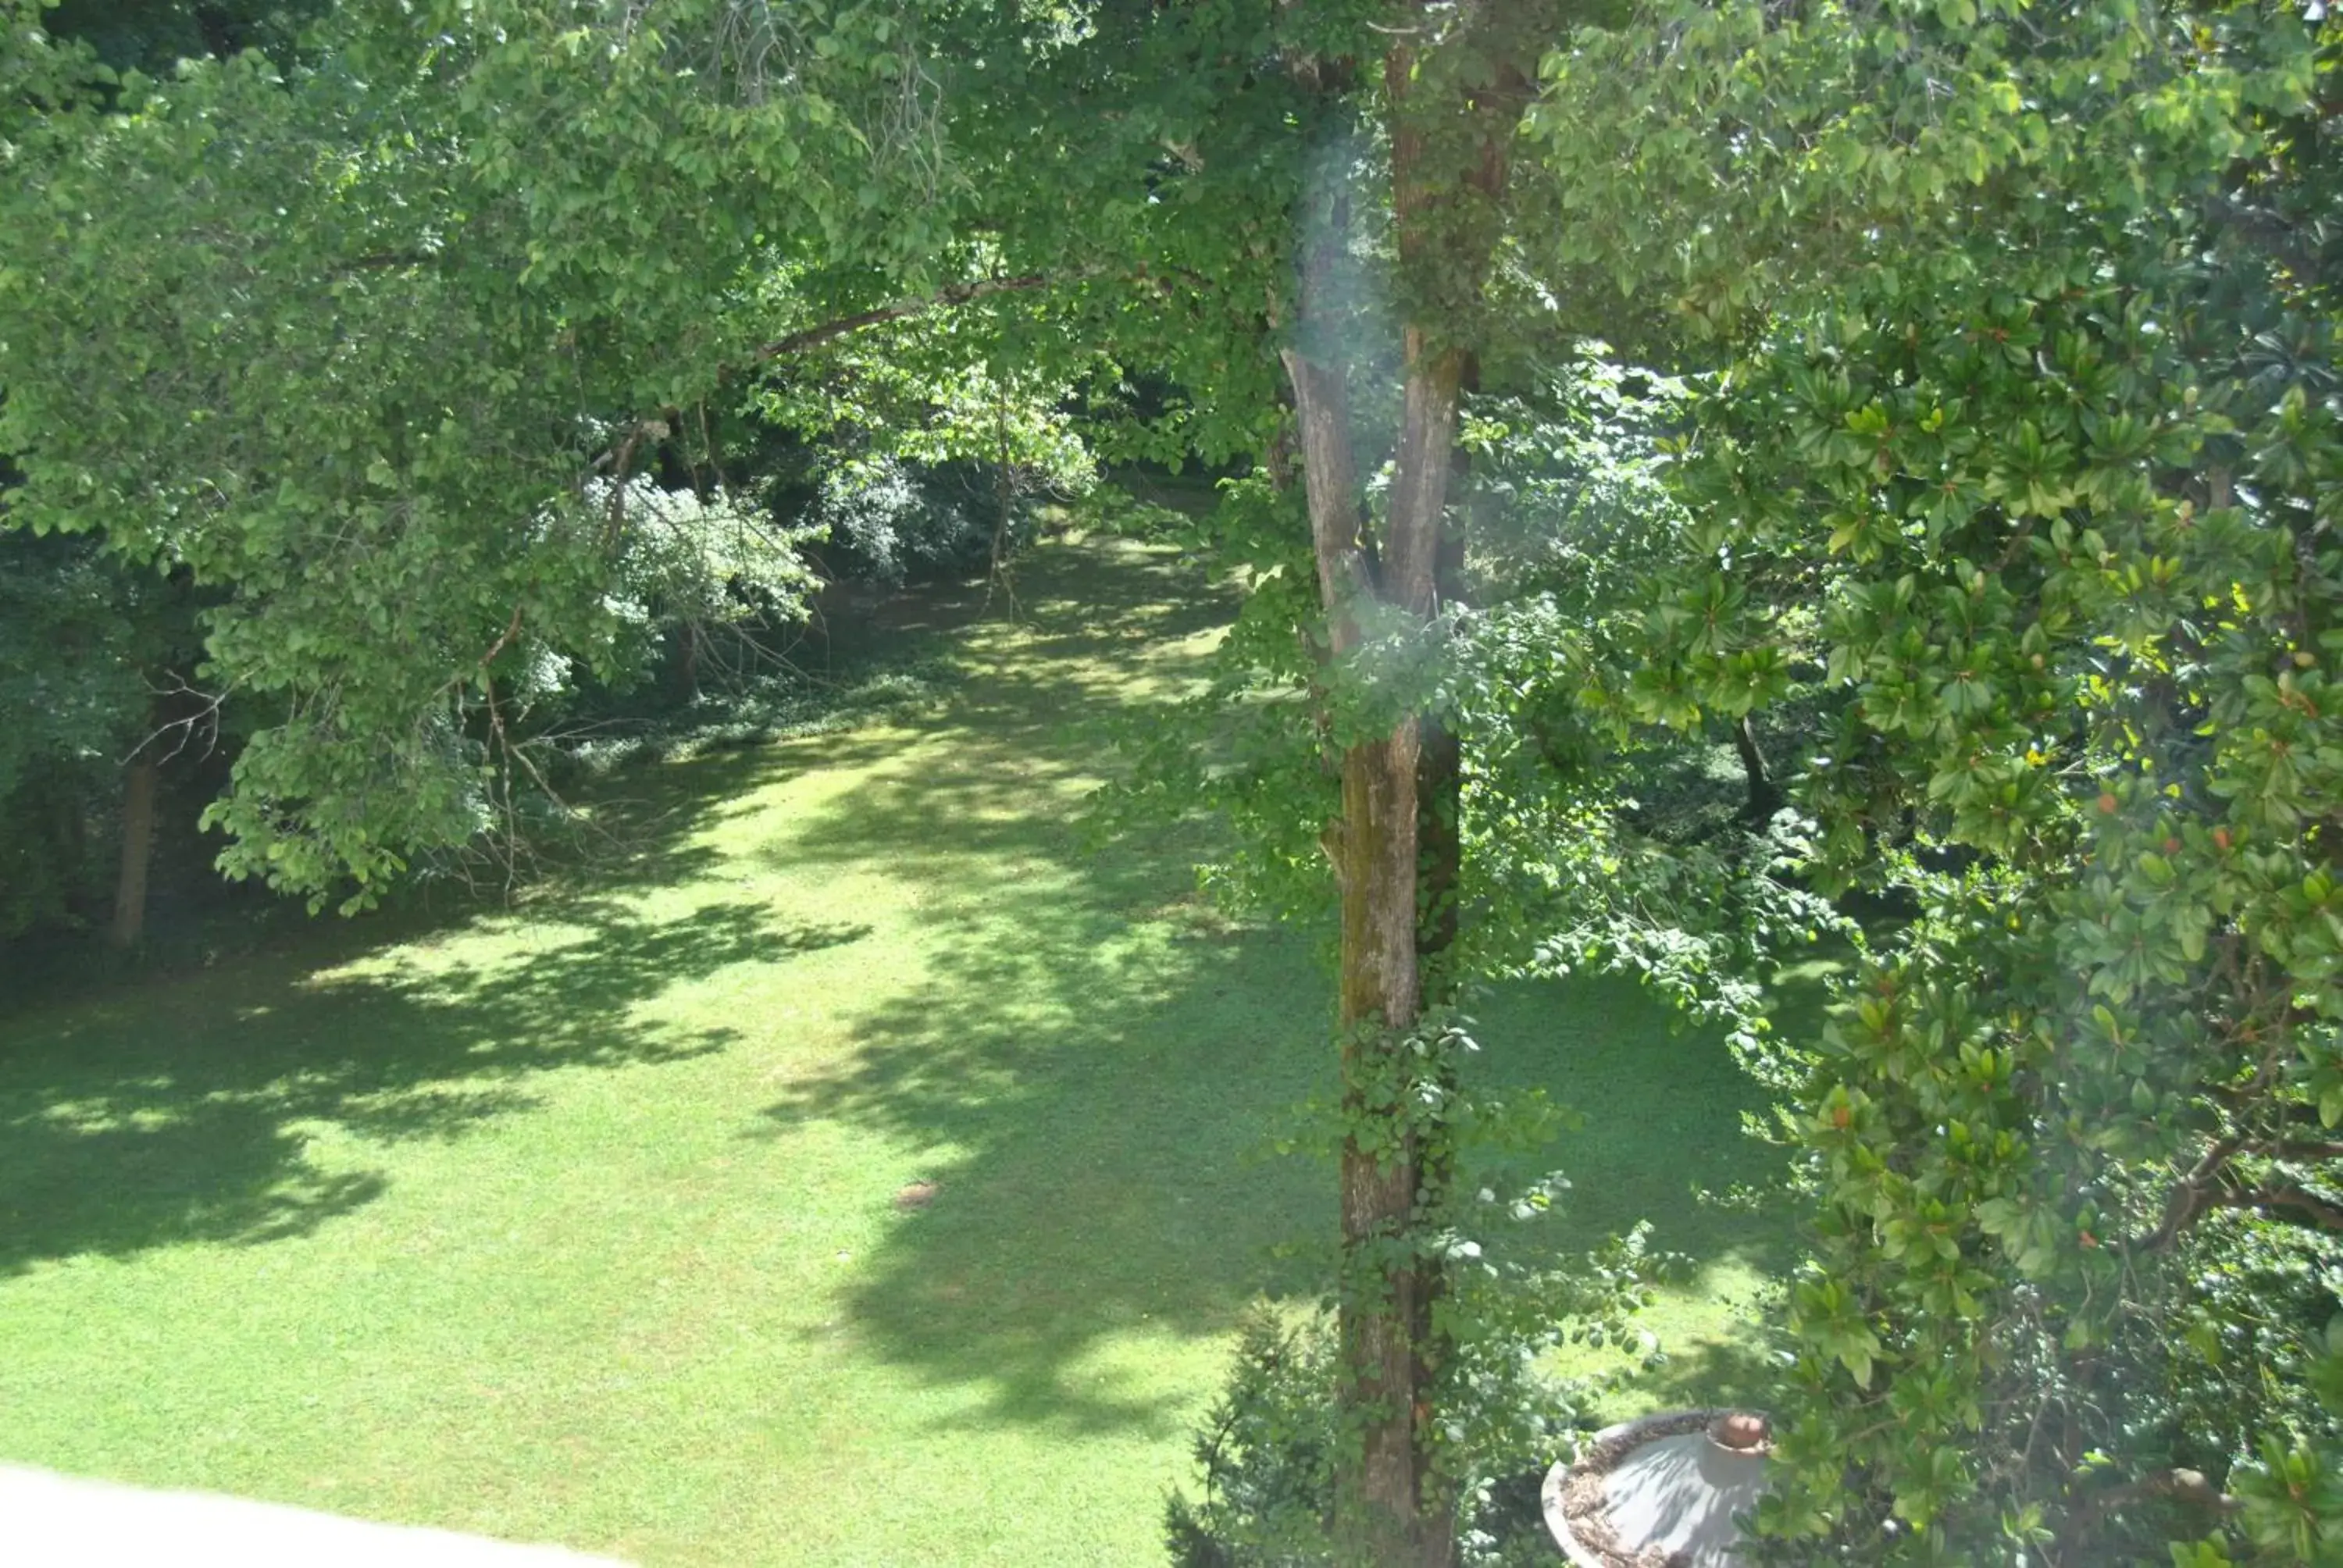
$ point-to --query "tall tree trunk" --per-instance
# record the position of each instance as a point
(139, 792)
(1392, 1508)
(1373, 848)
(1386, 1291)
(1389, 1509)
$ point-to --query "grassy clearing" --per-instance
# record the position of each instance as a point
(579, 1221)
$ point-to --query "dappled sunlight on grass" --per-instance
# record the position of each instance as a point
(837, 1159)
(119, 1135)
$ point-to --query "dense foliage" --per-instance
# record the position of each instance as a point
(74, 680)
(2049, 451)
(1268, 1451)
(1960, 577)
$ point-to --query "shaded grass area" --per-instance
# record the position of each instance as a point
(578, 1220)
(1658, 1113)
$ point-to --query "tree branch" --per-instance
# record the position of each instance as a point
(2327, 1216)
(2192, 1196)
(2175, 1485)
(504, 640)
(621, 461)
(955, 294)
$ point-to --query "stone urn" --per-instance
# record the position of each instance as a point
(1660, 1492)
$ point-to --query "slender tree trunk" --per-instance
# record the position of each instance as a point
(1765, 794)
(139, 788)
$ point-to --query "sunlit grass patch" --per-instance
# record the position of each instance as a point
(578, 1219)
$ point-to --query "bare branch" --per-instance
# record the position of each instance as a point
(204, 714)
(2318, 1210)
(504, 640)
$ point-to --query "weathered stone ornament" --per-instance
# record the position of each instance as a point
(1660, 1492)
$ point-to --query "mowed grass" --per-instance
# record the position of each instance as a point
(584, 1219)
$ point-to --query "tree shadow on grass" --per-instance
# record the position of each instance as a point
(1742, 1370)
(1103, 1118)
(1096, 1117)
(117, 1137)
(1091, 1064)
(1095, 1069)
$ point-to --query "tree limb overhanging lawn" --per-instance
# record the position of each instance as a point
(578, 1220)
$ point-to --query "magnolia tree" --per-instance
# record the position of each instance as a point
(2033, 409)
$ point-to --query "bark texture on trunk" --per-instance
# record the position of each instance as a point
(1373, 846)
(1421, 471)
(1386, 1294)
(1322, 407)
(1395, 848)
(138, 792)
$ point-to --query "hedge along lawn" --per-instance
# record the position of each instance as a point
(855, 1168)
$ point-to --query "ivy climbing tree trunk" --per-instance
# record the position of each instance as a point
(1373, 848)
(1392, 1506)
(1440, 873)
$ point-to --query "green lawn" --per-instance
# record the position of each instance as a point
(577, 1220)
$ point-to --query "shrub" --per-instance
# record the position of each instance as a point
(891, 520)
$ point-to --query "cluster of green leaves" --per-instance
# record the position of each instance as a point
(703, 560)
(342, 339)
(932, 452)
(96, 651)
(2040, 425)
(1607, 829)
